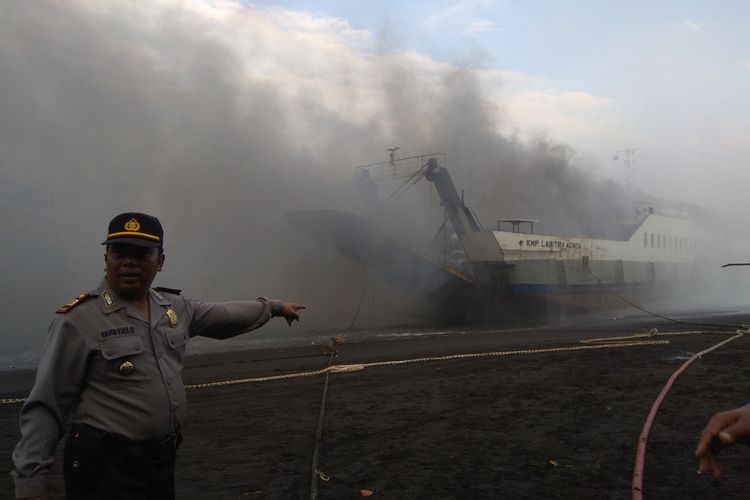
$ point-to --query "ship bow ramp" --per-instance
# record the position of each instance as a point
(357, 238)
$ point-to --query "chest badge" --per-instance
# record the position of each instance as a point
(172, 316)
(126, 368)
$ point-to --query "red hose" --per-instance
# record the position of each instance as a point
(640, 456)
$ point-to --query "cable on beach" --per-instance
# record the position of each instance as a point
(315, 473)
(657, 315)
(640, 457)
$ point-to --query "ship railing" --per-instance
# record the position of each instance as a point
(400, 168)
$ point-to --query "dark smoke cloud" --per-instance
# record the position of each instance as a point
(503, 176)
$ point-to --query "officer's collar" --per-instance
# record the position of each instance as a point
(160, 299)
(108, 299)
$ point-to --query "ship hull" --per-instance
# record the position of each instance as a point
(558, 287)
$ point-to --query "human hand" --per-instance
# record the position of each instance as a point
(724, 429)
(289, 311)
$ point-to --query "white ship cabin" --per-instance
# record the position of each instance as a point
(657, 236)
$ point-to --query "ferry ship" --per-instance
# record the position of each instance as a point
(511, 270)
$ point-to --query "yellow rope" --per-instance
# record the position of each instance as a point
(362, 366)
(11, 401)
(589, 344)
(651, 333)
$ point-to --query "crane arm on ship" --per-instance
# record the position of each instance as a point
(461, 217)
(475, 242)
(412, 169)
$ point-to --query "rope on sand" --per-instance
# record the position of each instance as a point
(11, 401)
(651, 333)
(361, 366)
(590, 344)
(640, 457)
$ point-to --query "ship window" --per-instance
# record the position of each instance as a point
(652, 240)
(645, 240)
(671, 243)
(658, 241)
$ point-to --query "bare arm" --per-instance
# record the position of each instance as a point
(724, 428)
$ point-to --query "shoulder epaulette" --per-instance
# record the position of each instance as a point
(70, 305)
(174, 291)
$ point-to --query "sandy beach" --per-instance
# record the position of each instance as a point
(534, 425)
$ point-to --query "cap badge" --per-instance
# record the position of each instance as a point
(126, 368)
(172, 317)
(132, 225)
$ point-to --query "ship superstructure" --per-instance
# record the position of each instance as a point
(516, 268)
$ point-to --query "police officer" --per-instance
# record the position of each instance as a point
(113, 360)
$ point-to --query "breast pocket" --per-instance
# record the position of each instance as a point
(121, 347)
(125, 363)
(176, 340)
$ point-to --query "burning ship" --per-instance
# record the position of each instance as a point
(494, 273)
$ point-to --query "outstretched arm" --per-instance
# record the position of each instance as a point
(221, 320)
(724, 429)
(288, 311)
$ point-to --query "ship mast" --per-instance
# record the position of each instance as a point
(627, 158)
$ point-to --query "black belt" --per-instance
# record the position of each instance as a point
(117, 444)
(157, 448)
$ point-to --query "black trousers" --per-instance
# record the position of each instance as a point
(103, 466)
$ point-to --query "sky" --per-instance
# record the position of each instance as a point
(218, 116)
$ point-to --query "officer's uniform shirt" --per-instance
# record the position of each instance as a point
(118, 371)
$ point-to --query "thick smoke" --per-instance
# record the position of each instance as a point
(208, 116)
(501, 176)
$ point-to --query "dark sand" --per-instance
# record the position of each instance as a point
(555, 425)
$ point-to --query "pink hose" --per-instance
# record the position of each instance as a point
(640, 456)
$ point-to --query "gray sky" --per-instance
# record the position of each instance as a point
(218, 117)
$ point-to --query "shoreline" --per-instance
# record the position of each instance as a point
(201, 367)
(542, 424)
